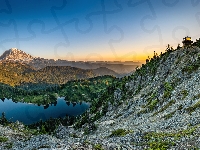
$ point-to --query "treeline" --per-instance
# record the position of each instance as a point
(197, 43)
(86, 90)
(73, 91)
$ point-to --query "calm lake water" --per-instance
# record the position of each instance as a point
(30, 113)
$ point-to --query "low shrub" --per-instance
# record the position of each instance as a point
(168, 89)
(160, 145)
(98, 147)
(9, 145)
(153, 104)
(118, 132)
(192, 108)
(165, 107)
(184, 93)
(3, 139)
(169, 115)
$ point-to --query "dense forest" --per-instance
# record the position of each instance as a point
(74, 91)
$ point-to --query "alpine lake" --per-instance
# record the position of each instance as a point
(31, 113)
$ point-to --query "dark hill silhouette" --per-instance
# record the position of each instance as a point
(16, 74)
(105, 71)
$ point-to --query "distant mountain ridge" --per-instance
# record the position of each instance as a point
(103, 70)
(16, 73)
(17, 55)
(20, 74)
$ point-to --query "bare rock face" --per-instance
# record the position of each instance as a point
(117, 95)
(62, 132)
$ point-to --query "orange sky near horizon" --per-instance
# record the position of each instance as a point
(98, 30)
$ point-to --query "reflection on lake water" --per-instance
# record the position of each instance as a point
(31, 113)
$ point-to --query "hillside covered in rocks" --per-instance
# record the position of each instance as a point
(157, 107)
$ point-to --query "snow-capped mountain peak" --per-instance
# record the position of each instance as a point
(16, 54)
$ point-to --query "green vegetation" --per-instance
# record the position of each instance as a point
(49, 126)
(169, 115)
(74, 91)
(176, 135)
(160, 140)
(15, 73)
(180, 107)
(168, 90)
(3, 119)
(85, 90)
(86, 131)
(41, 127)
(42, 97)
(98, 147)
(192, 108)
(152, 102)
(160, 145)
(74, 135)
(9, 145)
(197, 43)
(119, 132)
(165, 107)
(184, 93)
(99, 105)
(168, 86)
(3, 139)
(192, 67)
(11, 72)
(86, 142)
(197, 96)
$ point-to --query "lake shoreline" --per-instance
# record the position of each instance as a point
(31, 113)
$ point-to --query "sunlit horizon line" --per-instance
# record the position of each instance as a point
(140, 58)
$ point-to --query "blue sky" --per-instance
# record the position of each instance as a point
(97, 29)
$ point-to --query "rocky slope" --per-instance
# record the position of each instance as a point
(158, 107)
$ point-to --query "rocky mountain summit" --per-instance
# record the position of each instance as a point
(16, 55)
(157, 107)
